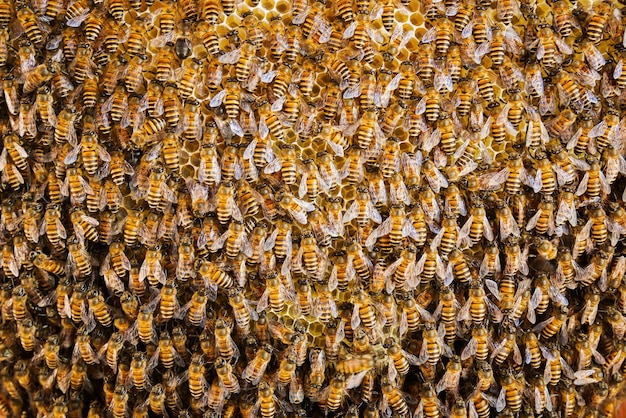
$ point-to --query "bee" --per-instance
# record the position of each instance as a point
(30, 23)
(393, 397)
(441, 33)
(242, 311)
(119, 402)
(507, 347)
(397, 226)
(598, 221)
(145, 323)
(593, 182)
(226, 206)
(548, 45)
(543, 221)
(166, 353)
(79, 260)
(401, 359)
(197, 382)
(112, 349)
(599, 22)
(26, 332)
(100, 310)
(311, 182)
(430, 105)
(64, 130)
(84, 226)
(286, 164)
(255, 369)
(592, 300)
(45, 106)
(476, 227)
(484, 81)
(158, 191)
(338, 387)
(364, 311)
(84, 347)
(553, 370)
(274, 295)
(465, 91)
(570, 93)
(139, 369)
(429, 406)
(227, 378)
(168, 304)
(76, 185)
(36, 77)
(225, 346)
(156, 399)
(314, 259)
(511, 394)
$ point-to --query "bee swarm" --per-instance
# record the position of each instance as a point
(306, 208)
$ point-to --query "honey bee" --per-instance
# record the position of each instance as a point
(601, 21)
(64, 130)
(397, 226)
(400, 359)
(286, 164)
(99, 309)
(79, 261)
(510, 394)
(30, 23)
(235, 240)
(253, 373)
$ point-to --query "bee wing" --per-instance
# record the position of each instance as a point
(355, 320)
(230, 57)
(349, 31)
(351, 213)
(482, 49)
(71, 156)
(541, 50)
(494, 180)
(382, 230)
(467, 30)
(218, 99)
(469, 350)
(303, 185)
(562, 45)
(219, 243)
(262, 305)
(494, 311)
(297, 215)
(429, 36)
(432, 140)
(375, 35)
(356, 380)
(619, 68)
(582, 186)
(493, 288)
(273, 166)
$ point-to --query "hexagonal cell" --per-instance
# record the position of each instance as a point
(188, 171)
(191, 146)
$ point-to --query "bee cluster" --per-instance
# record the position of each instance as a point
(298, 208)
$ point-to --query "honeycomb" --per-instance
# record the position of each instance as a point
(312, 207)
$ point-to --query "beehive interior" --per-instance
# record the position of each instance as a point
(305, 208)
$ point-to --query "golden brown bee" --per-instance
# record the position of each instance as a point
(512, 393)
(65, 130)
(254, 371)
(30, 23)
(394, 397)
